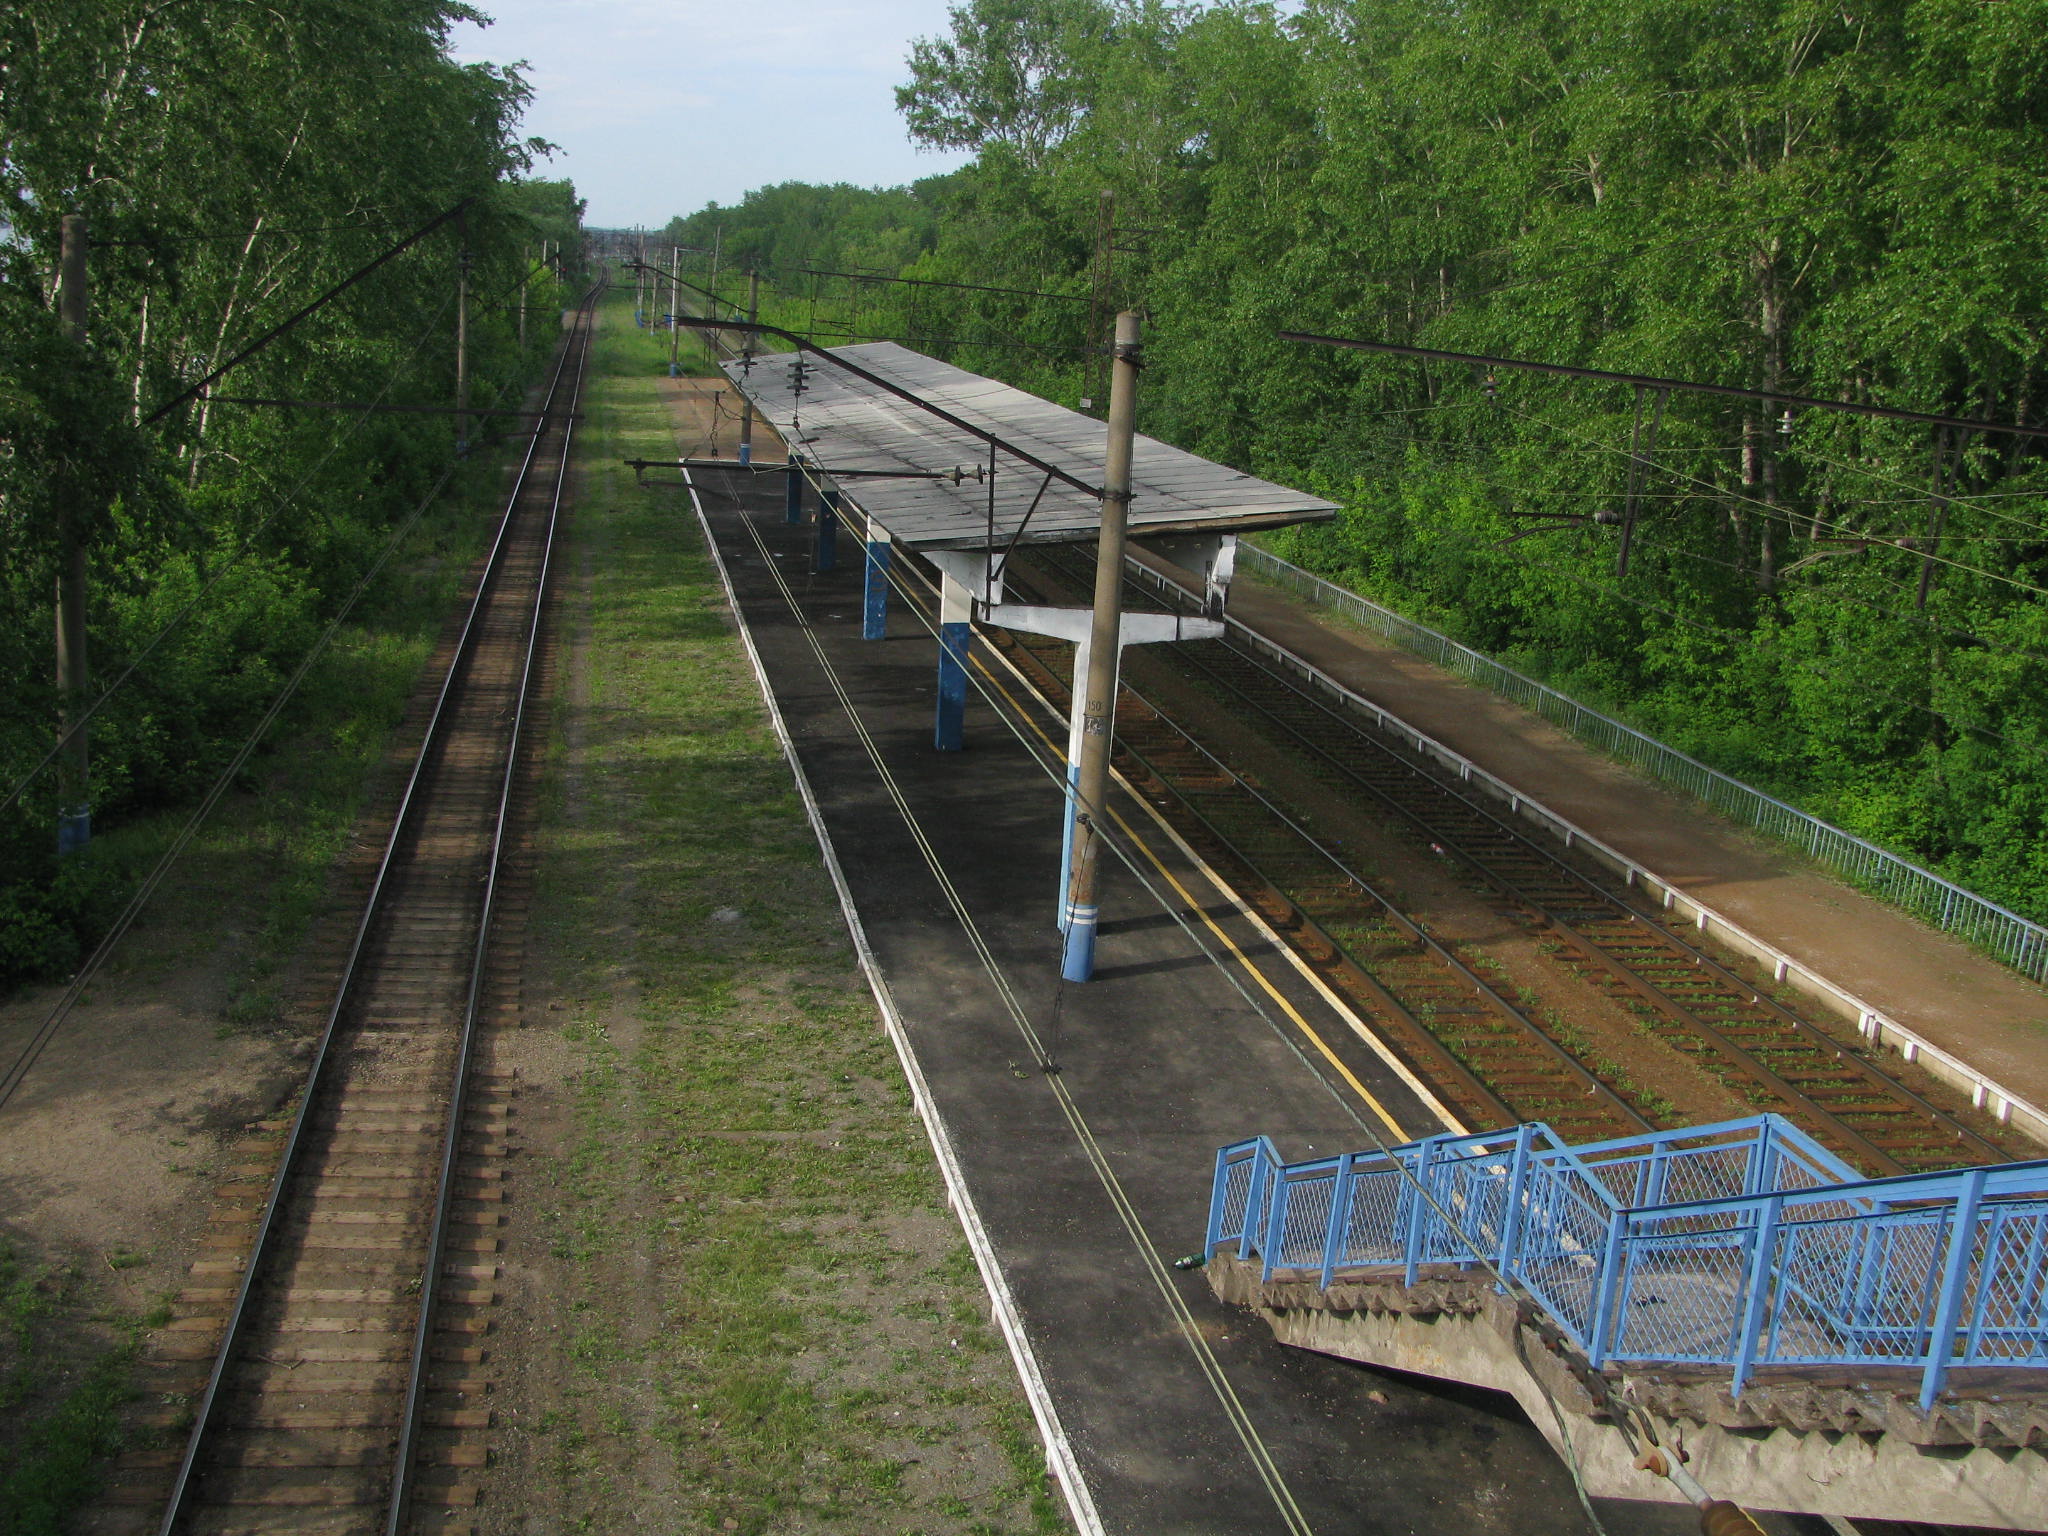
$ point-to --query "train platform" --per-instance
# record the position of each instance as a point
(1080, 1121)
(1953, 996)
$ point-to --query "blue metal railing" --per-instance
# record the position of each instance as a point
(1743, 1244)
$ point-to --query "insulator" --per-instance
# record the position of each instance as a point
(1607, 517)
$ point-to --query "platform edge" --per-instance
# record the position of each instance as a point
(1060, 1460)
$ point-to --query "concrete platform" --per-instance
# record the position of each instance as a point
(1851, 1443)
(1183, 1414)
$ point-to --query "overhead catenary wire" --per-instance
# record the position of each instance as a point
(1785, 515)
(312, 307)
(224, 569)
(1056, 773)
(1040, 757)
(54, 1020)
(1650, 381)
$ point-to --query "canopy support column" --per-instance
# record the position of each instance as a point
(874, 612)
(956, 609)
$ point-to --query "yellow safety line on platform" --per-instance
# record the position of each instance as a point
(1248, 1435)
(1265, 982)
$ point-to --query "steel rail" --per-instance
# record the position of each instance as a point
(202, 1423)
(1514, 1017)
(1746, 1059)
(1559, 1057)
(444, 1197)
(1701, 959)
(1429, 1055)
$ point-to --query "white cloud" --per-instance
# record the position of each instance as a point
(663, 105)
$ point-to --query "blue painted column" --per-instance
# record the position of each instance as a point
(874, 612)
(793, 493)
(955, 613)
(826, 556)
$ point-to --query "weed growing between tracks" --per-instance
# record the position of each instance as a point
(753, 1311)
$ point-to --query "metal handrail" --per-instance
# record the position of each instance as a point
(1752, 1266)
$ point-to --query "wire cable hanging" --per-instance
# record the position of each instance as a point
(226, 567)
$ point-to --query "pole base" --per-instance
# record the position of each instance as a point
(74, 830)
(1077, 958)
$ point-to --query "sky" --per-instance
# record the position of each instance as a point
(661, 106)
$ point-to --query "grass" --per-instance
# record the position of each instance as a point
(61, 1395)
(768, 1319)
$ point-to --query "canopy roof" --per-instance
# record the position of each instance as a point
(840, 420)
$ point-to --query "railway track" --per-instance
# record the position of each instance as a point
(345, 1393)
(1682, 995)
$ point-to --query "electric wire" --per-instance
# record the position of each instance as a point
(1927, 494)
(1784, 515)
(1723, 632)
(1053, 771)
(1470, 464)
(1041, 759)
(54, 1020)
(1057, 775)
(1239, 1417)
(225, 568)
(1839, 594)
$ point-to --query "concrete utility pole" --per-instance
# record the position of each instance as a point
(675, 309)
(1105, 652)
(74, 782)
(525, 271)
(746, 363)
(462, 352)
(717, 237)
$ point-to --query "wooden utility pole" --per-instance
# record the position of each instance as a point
(1105, 653)
(74, 781)
(462, 351)
(747, 363)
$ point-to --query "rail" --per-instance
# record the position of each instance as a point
(1739, 1245)
(1986, 1093)
(2018, 941)
(184, 1484)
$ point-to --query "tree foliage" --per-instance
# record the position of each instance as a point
(1848, 202)
(232, 161)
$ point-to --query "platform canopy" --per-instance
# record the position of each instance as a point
(839, 420)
